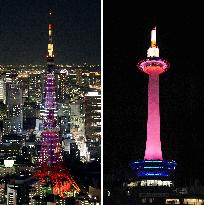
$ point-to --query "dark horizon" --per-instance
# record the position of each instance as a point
(127, 38)
(24, 34)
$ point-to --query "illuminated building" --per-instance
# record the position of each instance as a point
(73, 90)
(79, 76)
(8, 78)
(77, 128)
(35, 88)
(94, 80)
(63, 118)
(3, 111)
(24, 81)
(92, 107)
(2, 91)
(52, 170)
(11, 194)
(14, 102)
(153, 171)
(2, 192)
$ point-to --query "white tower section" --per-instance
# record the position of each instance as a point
(153, 50)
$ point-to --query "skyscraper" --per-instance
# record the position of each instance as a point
(14, 104)
(92, 104)
(2, 90)
(35, 88)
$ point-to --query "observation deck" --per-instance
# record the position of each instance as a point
(153, 65)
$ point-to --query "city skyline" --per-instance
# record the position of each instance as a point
(23, 27)
(77, 95)
(50, 115)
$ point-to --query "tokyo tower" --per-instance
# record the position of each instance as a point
(51, 169)
(153, 166)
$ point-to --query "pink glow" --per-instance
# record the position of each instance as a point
(153, 144)
(158, 65)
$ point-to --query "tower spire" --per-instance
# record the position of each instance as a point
(50, 48)
(153, 50)
(153, 37)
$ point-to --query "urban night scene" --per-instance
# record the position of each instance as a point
(50, 102)
(153, 106)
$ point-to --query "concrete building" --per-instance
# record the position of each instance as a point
(35, 88)
(2, 91)
(11, 194)
(92, 108)
(77, 128)
(92, 105)
(14, 107)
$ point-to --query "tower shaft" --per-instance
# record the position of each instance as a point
(153, 144)
(50, 148)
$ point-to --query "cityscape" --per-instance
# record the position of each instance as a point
(50, 125)
(92, 121)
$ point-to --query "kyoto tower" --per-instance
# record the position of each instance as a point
(153, 166)
(51, 170)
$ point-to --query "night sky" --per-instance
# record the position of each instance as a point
(23, 31)
(127, 30)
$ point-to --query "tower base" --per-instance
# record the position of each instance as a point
(153, 169)
(152, 183)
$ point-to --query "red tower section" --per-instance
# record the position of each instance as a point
(51, 170)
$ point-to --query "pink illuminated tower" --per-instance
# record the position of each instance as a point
(153, 164)
(51, 168)
(153, 66)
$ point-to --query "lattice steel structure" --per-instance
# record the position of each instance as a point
(51, 169)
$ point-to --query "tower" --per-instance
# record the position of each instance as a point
(153, 170)
(51, 169)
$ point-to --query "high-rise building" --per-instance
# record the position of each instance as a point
(11, 194)
(77, 128)
(92, 109)
(35, 88)
(15, 107)
(63, 118)
(23, 79)
(2, 90)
